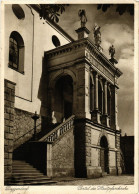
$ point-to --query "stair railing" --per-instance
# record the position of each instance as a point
(59, 130)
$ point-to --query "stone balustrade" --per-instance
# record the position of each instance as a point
(58, 131)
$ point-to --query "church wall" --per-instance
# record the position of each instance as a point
(37, 39)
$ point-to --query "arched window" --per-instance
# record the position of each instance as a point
(16, 52)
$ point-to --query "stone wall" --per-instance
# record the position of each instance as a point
(23, 126)
(63, 155)
(119, 170)
(9, 99)
(87, 150)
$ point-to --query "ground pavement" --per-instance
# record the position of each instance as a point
(105, 180)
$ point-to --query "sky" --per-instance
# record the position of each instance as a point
(119, 31)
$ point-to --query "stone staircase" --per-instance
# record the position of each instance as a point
(29, 159)
(25, 174)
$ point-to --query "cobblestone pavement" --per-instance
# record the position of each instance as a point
(106, 180)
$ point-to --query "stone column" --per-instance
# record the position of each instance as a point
(83, 88)
(9, 99)
(96, 90)
(105, 119)
(96, 114)
(114, 120)
(92, 97)
(105, 94)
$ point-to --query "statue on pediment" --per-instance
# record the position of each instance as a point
(83, 18)
(112, 54)
(112, 51)
(97, 36)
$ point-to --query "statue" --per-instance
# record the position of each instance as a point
(54, 121)
(83, 18)
(97, 37)
(112, 53)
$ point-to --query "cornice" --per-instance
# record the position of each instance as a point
(85, 120)
(89, 46)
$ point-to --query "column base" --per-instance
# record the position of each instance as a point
(115, 170)
(94, 172)
(83, 115)
(95, 116)
(119, 170)
(105, 120)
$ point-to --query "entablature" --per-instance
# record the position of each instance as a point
(80, 50)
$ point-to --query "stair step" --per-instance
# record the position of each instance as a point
(19, 161)
(34, 183)
(24, 173)
(29, 177)
(22, 166)
(27, 174)
(26, 170)
(37, 179)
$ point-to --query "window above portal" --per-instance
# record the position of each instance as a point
(18, 11)
(55, 41)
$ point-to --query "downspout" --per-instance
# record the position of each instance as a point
(116, 154)
(116, 139)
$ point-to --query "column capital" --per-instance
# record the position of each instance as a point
(104, 81)
(114, 87)
(95, 73)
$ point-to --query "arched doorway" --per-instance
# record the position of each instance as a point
(63, 98)
(104, 154)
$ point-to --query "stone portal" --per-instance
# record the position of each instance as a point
(81, 81)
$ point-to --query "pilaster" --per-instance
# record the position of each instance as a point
(114, 119)
(96, 114)
(83, 91)
(105, 118)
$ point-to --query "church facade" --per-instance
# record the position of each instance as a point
(71, 85)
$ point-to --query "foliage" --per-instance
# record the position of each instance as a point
(52, 11)
(120, 8)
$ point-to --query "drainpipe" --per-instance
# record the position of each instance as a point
(116, 153)
(116, 135)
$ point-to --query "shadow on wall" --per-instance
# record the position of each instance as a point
(127, 147)
(43, 94)
(56, 101)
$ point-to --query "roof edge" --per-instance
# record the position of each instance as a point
(36, 7)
